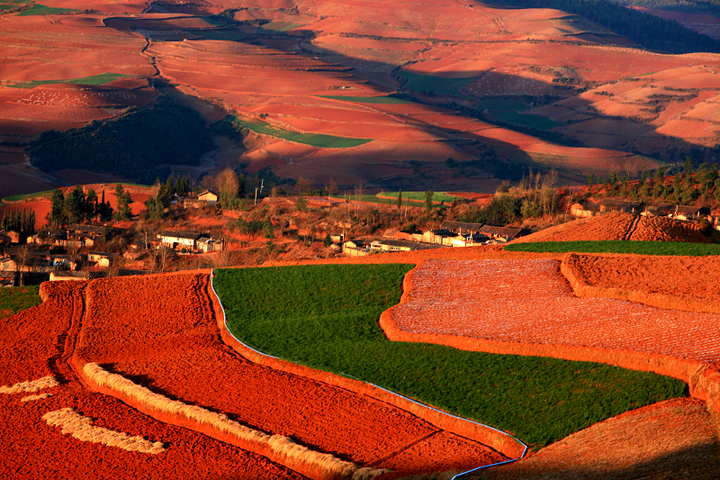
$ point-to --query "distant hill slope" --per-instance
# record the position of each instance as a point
(647, 30)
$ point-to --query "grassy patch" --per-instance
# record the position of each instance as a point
(429, 83)
(420, 196)
(619, 246)
(377, 100)
(38, 9)
(17, 299)
(27, 196)
(326, 317)
(313, 139)
(93, 80)
(276, 27)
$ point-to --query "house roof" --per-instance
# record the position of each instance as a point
(510, 232)
(181, 234)
(87, 228)
(467, 226)
(206, 192)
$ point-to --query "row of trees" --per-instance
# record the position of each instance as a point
(78, 207)
(686, 187)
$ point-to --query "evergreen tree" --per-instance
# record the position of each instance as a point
(57, 216)
(124, 201)
(399, 200)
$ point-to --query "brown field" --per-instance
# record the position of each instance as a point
(620, 226)
(498, 310)
(690, 286)
(352, 52)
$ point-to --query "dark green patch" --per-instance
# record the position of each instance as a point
(38, 9)
(326, 317)
(313, 139)
(429, 83)
(619, 246)
(135, 145)
(93, 80)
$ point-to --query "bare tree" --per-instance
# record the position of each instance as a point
(164, 254)
(24, 259)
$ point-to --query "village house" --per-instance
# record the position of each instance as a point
(584, 209)
(189, 241)
(88, 235)
(461, 227)
(615, 205)
(101, 259)
(501, 234)
(355, 248)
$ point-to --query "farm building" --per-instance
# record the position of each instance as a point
(102, 259)
(393, 246)
(584, 209)
(461, 227)
(615, 205)
(356, 248)
(208, 197)
(88, 235)
(501, 234)
(190, 241)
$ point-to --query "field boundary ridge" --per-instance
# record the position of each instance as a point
(499, 440)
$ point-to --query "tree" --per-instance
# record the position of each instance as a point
(57, 210)
(124, 201)
(228, 186)
(399, 200)
(428, 201)
(301, 204)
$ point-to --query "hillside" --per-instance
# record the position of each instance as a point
(324, 90)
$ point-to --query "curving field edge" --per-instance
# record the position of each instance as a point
(498, 440)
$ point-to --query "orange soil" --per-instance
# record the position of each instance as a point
(619, 226)
(686, 283)
(34, 345)
(161, 330)
(439, 304)
(672, 439)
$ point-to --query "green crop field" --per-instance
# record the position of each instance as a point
(619, 246)
(17, 299)
(313, 139)
(93, 80)
(27, 196)
(420, 196)
(378, 100)
(326, 317)
(429, 83)
(276, 27)
(38, 9)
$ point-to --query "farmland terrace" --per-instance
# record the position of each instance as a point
(159, 334)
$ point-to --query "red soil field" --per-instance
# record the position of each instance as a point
(161, 329)
(619, 226)
(676, 438)
(687, 283)
(439, 305)
(35, 344)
